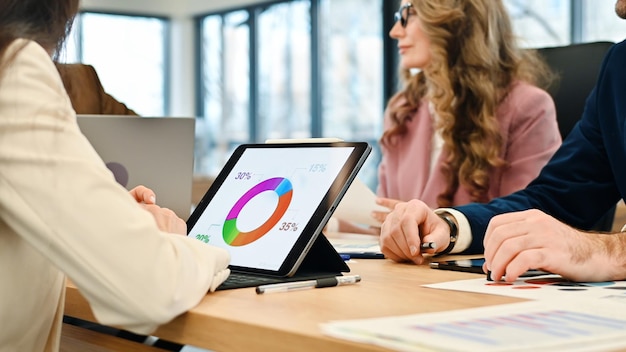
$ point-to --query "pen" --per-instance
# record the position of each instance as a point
(319, 283)
(428, 245)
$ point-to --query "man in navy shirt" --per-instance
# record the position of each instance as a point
(537, 228)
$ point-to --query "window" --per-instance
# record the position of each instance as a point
(129, 54)
(225, 90)
(540, 23)
(284, 71)
(543, 23)
(601, 23)
(352, 69)
(260, 79)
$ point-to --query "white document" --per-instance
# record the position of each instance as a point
(539, 288)
(357, 205)
(356, 244)
(547, 325)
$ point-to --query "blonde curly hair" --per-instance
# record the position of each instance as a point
(474, 63)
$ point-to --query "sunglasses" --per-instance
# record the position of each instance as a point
(403, 14)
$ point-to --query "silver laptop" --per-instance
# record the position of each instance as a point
(156, 152)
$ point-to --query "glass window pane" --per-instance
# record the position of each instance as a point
(600, 22)
(70, 51)
(225, 90)
(540, 23)
(351, 56)
(128, 53)
(284, 105)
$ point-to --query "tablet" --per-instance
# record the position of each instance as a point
(271, 201)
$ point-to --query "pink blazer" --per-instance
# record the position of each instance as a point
(530, 136)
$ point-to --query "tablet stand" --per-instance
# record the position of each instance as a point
(322, 258)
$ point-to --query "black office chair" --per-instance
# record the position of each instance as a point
(577, 66)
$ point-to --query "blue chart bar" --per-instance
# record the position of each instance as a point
(519, 329)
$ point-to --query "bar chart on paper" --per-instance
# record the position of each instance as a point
(590, 325)
(542, 327)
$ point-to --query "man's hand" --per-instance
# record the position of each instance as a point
(531, 239)
(407, 226)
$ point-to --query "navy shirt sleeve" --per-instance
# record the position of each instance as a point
(587, 175)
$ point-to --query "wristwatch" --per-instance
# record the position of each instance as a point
(454, 231)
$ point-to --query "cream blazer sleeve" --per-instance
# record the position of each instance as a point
(57, 195)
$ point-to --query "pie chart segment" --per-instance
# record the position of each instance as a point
(282, 187)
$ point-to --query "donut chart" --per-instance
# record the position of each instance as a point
(283, 188)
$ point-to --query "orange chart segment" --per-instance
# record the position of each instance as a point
(283, 189)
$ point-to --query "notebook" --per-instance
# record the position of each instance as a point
(268, 207)
(156, 152)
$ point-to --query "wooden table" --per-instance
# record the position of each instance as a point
(241, 320)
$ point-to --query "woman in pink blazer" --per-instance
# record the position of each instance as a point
(471, 122)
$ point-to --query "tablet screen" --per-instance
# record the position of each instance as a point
(271, 200)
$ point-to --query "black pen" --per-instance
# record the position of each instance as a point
(319, 283)
(428, 245)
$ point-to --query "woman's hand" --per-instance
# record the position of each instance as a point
(143, 194)
(165, 218)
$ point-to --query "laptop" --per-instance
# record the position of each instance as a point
(268, 206)
(156, 152)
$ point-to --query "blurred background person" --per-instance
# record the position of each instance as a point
(472, 122)
(87, 93)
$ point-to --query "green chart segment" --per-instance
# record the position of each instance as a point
(233, 236)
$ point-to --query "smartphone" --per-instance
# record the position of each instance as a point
(475, 266)
(465, 265)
